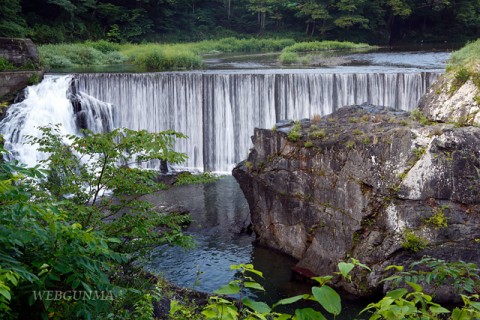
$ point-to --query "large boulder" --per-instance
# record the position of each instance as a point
(454, 100)
(363, 182)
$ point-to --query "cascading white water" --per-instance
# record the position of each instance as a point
(49, 103)
(218, 111)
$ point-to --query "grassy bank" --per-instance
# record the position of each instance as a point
(290, 54)
(467, 57)
(183, 56)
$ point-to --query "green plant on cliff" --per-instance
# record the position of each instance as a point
(412, 241)
(417, 115)
(438, 219)
(5, 64)
(295, 132)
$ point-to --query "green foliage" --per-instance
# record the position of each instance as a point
(463, 277)
(419, 152)
(325, 45)
(95, 158)
(467, 58)
(189, 178)
(80, 54)
(288, 58)
(413, 242)
(417, 115)
(401, 304)
(5, 64)
(308, 144)
(438, 219)
(41, 248)
(318, 134)
(61, 231)
(295, 132)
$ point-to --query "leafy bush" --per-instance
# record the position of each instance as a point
(325, 45)
(413, 242)
(63, 233)
(295, 132)
(42, 249)
(80, 54)
(5, 64)
(189, 178)
(288, 58)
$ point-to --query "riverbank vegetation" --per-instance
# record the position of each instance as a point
(76, 226)
(377, 21)
(159, 57)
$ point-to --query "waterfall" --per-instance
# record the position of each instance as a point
(218, 111)
(53, 101)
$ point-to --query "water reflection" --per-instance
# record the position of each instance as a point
(219, 212)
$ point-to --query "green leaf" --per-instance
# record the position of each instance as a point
(260, 307)
(114, 240)
(345, 268)
(397, 294)
(415, 286)
(397, 268)
(439, 309)
(254, 285)
(322, 280)
(328, 298)
(230, 288)
(308, 314)
(289, 300)
(5, 293)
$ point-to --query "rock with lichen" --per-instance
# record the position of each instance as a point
(363, 182)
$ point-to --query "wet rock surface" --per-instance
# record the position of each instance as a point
(355, 182)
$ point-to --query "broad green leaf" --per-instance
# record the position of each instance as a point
(415, 286)
(322, 280)
(254, 285)
(260, 307)
(439, 309)
(308, 314)
(397, 294)
(228, 289)
(289, 300)
(5, 293)
(328, 298)
(398, 268)
(345, 268)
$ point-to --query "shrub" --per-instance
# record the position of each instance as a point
(413, 242)
(318, 134)
(325, 45)
(288, 58)
(295, 132)
(5, 64)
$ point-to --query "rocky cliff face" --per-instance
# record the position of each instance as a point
(368, 183)
(452, 100)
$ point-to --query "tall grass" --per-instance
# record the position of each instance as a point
(56, 56)
(325, 45)
(160, 57)
(467, 57)
(157, 57)
(288, 57)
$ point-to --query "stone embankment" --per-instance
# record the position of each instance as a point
(23, 54)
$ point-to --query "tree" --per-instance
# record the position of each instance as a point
(82, 222)
(12, 23)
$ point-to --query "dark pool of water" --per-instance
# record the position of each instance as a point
(219, 211)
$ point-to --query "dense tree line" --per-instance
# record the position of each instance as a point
(376, 21)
